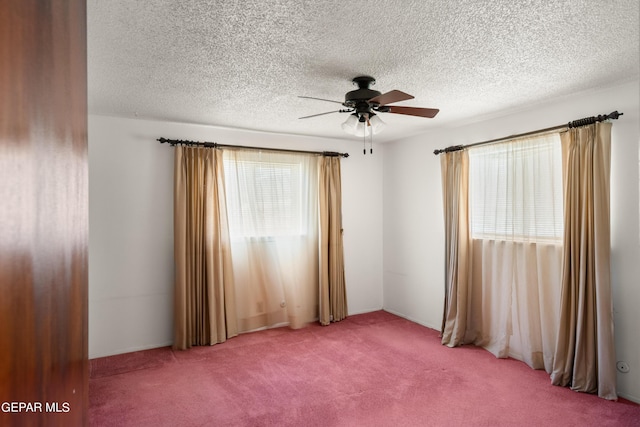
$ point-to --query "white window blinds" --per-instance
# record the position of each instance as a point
(267, 194)
(516, 190)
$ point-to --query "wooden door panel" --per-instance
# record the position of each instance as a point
(43, 213)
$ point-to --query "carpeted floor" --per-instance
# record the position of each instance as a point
(373, 369)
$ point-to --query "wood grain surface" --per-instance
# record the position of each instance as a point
(43, 213)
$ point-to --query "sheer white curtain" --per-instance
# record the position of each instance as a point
(272, 204)
(516, 226)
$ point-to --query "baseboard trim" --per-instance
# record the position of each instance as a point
(131, 350)
(629, 397)
(365, 311)
(412, 319)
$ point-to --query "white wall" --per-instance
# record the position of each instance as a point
(413, 282)
(131, 228)
(131, 225)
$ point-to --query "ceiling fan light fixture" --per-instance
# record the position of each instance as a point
(349, 126)
(377, 125)
(362, 129)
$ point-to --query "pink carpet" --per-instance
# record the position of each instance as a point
(373, 369)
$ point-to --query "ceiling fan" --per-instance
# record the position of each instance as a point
(363, 104)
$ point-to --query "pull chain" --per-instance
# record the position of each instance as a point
(364, 141)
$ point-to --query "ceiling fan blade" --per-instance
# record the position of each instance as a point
(320, 99)
(390, 97)
(415, 111)
(321, 114)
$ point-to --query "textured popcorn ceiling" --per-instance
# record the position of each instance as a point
(242, 63)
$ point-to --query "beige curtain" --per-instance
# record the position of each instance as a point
(455, 192)
(204, 302)
(333, 296)
(585, 354)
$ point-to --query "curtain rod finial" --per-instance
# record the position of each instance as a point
(449, 149)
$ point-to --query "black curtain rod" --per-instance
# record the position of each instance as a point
(174, 142)
(573, 124)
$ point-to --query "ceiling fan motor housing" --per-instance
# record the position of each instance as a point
(358, 99)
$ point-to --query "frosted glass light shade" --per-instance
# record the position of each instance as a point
(376, 124)
(349, 126)
(362, 129)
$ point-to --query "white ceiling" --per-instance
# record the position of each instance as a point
(243, 63)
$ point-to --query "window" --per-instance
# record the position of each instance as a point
(267, 194)
(516, 190)
(272, 208)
